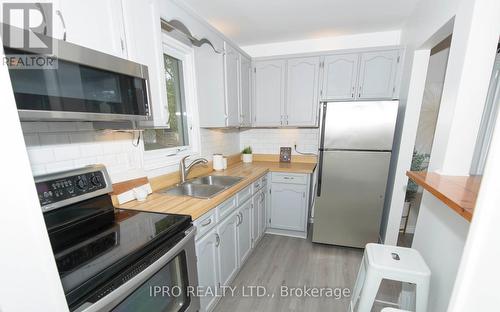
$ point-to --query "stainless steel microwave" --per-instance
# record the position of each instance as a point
(86, 85)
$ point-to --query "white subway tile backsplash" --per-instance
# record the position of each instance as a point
(54, 138)
(34, 127)
(40, 155)
(60, 166)
(269, 141)
(31, 139)
(66, 152)
(90, 149)
(62, 126)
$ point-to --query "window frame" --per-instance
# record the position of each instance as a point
(165, 157)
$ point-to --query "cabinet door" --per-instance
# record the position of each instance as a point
(302, 91)
(228, 248)
(262, 213)
(255, 218)
(339, 76)
(141, 18)
(288, 206)
(232, 77)
(269, 99)
(208, 267)
(377, 75)
(94, 24)
(245, 87)
(210, 86)
(245, 231)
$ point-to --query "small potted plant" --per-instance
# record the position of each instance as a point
(247, 154)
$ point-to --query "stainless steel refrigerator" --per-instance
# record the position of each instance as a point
(354, 156)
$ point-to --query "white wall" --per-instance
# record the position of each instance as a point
(269, 141)
(440, 233)
(29, 280)
(366, 40)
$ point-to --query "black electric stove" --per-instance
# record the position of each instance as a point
(93, 242)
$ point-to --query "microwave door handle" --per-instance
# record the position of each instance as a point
(118, 295)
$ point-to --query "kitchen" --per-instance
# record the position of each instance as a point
(330, 120)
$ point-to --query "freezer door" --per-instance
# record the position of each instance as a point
(359, 125)
(348, 210)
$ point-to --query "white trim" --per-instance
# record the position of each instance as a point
(328, 52)
(188, 9)
(161, 158)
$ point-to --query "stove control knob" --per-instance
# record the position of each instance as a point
(96, 180)
(81, 184)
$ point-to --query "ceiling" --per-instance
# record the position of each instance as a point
(249, 22)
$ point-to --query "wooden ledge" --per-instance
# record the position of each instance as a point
(457, 192)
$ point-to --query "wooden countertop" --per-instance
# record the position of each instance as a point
(195, 207)
(457, 192)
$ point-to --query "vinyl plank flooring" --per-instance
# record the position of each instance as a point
(295, 262)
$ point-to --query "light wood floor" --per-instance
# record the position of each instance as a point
(295, 262)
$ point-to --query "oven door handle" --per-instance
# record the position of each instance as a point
(118, 295)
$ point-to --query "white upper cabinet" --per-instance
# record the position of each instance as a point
(94, 24)
(340, 75)
(377, 74)
(232, 79)
(143, 18)
(223, 94)
(269, 99)
(245, 91)
(302, 91)
(210, 85)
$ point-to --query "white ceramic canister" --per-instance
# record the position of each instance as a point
(218, 162)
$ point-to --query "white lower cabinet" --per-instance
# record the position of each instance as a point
(245, 231)
(289, 204)
(228, 248)
(226, 236)
(262, 212)
(208, 268)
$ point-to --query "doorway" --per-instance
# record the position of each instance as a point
(422, 149)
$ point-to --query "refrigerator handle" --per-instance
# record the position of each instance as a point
(321, 146)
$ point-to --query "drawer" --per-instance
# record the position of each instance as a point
(257, 185)
(205, 223)
(244, 195)
(290, 178)
(226, 208)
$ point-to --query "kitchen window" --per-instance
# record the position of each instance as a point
(177, 134)
(165, 146)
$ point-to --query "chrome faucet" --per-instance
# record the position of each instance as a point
(184, 170)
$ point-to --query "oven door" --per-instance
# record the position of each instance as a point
(161, 287)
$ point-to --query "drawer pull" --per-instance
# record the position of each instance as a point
(288, 178)
(207, 223)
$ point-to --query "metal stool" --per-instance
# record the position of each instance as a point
(394, 263)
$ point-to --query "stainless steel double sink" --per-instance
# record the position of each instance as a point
(203, 187)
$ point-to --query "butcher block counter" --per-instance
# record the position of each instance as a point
(196, 207)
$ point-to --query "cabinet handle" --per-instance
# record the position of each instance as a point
(59, 13)
(207, 223)
(238, 222)
(217, 240)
